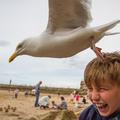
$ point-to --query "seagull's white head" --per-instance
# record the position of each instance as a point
(21, 49)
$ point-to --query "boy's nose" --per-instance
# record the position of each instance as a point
(94, 96)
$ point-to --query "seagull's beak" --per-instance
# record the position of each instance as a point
(13, 56)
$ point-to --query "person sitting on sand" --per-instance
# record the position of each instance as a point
(63, 104)
(102, 78)
(44, 101)
(54, 105)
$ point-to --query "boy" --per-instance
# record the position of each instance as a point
(102, 78)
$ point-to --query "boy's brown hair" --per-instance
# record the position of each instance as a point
(98, 71)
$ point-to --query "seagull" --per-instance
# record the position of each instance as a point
(67, 32)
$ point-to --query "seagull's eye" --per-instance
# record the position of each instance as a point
(19, 46)
(92, 37)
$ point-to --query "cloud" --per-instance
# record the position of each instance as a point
(4, 43)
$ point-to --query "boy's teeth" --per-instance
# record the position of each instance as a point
(102, 105)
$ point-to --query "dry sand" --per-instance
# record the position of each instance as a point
(25, 110)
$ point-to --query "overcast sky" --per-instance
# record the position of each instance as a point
(20, 19)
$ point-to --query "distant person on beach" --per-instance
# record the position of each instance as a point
(58, 94)
(53, 105)
(63, 104)
(77, 99)
(16, 92)
(26, 93)
(84, 100)
(72, 96)
(10, 82)
(102, 78)
(44, 101)
(37, 93)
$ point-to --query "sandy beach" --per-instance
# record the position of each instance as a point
(23, 108)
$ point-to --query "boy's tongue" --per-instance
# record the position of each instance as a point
(103, 108)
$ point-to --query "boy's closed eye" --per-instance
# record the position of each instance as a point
(102, 89)
(90, 89)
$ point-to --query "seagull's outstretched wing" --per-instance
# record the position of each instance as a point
(68, 14)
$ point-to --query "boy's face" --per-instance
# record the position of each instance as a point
(106, 97)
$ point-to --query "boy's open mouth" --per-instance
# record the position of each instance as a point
(102, 107)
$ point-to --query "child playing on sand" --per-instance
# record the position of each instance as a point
(54, 105)
(102, 78)
(63, 104)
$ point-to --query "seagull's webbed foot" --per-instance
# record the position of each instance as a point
(97, 51)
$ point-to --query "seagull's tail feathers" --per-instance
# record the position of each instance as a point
(109, 33)
(108, 26)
